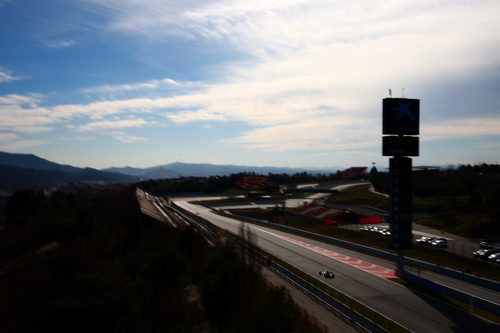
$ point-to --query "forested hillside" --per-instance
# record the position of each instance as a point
(79, 262)
(465, 200)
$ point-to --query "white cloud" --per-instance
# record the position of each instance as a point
(112, 124)
(285, 117)
(6, 76)
(152, 84)
(462, 128)
(33, 129)
(325, 133)
(20, 144)
(198, 115)
(59, 44)
(14, 99)
(270, 28)
(20, 113)
(101, 109)
(126, 138)
(7, 137)
(335, 134)
(24, 118)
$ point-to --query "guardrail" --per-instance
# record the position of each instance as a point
(332, 303)
(385, 254)
(462, 296)
(457, 294)
(200, 223)
(493, 285)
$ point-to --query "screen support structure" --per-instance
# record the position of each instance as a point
(400, 213)
(400, 125)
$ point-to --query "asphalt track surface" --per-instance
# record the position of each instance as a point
(411, 309)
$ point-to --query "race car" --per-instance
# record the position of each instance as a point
(327, 274)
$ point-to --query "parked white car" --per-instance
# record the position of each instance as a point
(439, 242)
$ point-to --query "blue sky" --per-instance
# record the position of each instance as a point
(105, 83)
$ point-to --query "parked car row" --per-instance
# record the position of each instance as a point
(489, 250)
(492, 255)
(490, 243)
(432, 241)
(377, 230)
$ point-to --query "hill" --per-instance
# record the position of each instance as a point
(30, 161)
(26, 170)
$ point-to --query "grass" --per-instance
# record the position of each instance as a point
(431, 255)
(451, 214)
(440, 257)
(360, 195)
(354, 305)
(238, 197)
(466, 224)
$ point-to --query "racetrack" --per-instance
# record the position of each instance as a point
(417, 312)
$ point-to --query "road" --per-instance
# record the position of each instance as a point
(413, 310)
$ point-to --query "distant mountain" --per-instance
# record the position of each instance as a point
(178, 169)
(158, 172)
(30, 161)
(25, 170)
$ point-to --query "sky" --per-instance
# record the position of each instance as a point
(287, 83)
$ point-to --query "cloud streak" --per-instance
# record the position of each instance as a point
(152, 84)
(59, 44)
(6, 76)
(126, 138)
(20, 144)
(112, 124)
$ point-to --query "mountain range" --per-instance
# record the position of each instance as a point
(178, 169)
(24, 170)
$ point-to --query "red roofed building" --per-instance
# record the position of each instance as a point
(352, 173)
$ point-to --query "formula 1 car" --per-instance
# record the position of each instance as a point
(327, 274)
